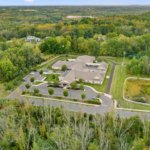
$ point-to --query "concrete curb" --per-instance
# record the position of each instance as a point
(128, 109)
(44, 82)
(62, 100)
(93, 89)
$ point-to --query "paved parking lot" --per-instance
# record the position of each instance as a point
(73, 94)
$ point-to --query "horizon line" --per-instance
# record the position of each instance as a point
(145, 5)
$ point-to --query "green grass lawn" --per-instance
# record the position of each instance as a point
(52, 78)
(117, 89)
(98, 87)
(117, 60)
(60, 57)
(37, 82)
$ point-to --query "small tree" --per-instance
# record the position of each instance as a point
(32, 79)
(27, 86)
(56, 83)
(80, 80)
(36, 91)
(53, 76)
(74, 85)
(51, 91)
(64, 68)
(81, 87)
(41, 72)
(83, 96)
(65, 93)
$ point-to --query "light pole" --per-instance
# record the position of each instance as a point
(124, 53)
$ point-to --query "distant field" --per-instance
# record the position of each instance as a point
(138, 90)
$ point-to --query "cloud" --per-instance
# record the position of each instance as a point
(29, 1)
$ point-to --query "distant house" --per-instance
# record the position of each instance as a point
(82, 68)
(32, 39)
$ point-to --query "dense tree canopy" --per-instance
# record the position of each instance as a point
(37, 128)
(17, 59)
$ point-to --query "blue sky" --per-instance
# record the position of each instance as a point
(74, 2)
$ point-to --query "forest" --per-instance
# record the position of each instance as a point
(117, 32)
(27, 127)
(105, 35)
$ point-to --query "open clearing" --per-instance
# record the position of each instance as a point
(138, 90)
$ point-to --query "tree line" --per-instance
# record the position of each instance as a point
(17, 60)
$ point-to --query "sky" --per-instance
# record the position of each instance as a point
(74, 2)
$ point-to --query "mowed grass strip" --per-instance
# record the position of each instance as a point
(52, 77)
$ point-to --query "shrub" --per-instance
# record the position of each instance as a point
(27, 86)
(9, 86)
(81, 87)
(64, 68)
(65, 93)
(96, 102)
(80, 80)
(56, 83)
(41, 72)
(32, 79)
(23, 92)
(139, 99)
(51, 91)
(36, 91)
(53, 76)
(74, 85)
(83, 96)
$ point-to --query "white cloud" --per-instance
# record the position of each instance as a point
(29, 1)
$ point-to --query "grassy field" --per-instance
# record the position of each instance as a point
(58, 57)
(117, 89)
(52, 77)
(117, 60)
(102, 88)
(138, 90)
